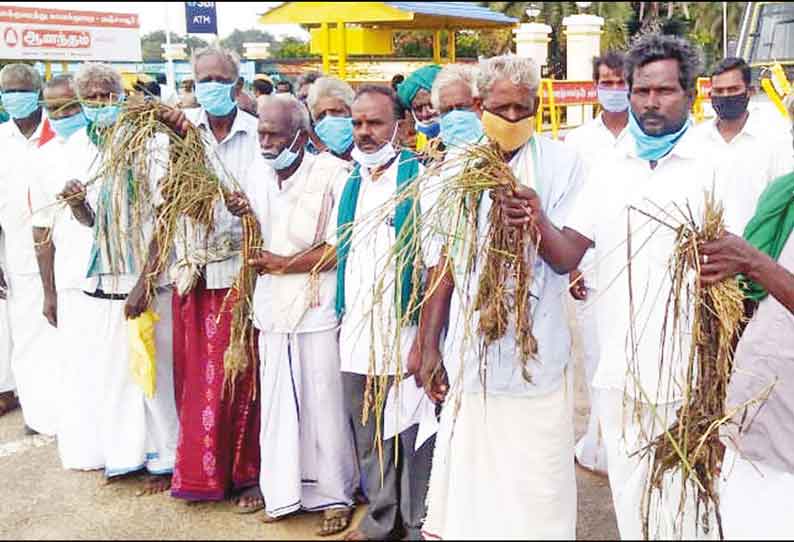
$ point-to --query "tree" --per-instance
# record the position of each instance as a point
(151, 44)
(292, 48)
(236, 39)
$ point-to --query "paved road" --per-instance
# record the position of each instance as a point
(39, 500)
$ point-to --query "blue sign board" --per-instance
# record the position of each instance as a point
(201, 18)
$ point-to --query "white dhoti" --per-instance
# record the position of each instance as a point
(307, 447)
(137, 431)
(590, 450)
(35, 358)
(504, 469)
(755, 500)
(82, 343)
(628, 472)
(6, 374)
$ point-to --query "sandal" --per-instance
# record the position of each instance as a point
(335, 521)
(253, 495)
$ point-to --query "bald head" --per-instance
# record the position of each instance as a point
(283, 123)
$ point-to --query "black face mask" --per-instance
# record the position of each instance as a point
(730, 107)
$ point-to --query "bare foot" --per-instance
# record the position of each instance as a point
(8, 402)
(270, 519)
(154, 484)
(356, 535)
(115, 479)
(250, 500)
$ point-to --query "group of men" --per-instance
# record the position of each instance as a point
(321, 176)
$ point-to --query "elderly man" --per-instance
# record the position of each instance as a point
(456, 98)
(307, 449)
(305, 83)
(34, 356)
(748, 153)
(414, 95)
(394, 472)
(659, 169)
(329, 102)
(758, 468)
(137, 430)
(63, 248)
(511, 449)
(594, 141)
(219, 442)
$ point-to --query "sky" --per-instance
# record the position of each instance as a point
(231, 15)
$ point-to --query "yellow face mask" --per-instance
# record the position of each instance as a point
(508, 135)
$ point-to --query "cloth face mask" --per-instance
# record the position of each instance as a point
(20, 105)
(508, 135)
(375, 159)
(285, 158)
(653, 148)
(459, 127)
(336, 132)
(67, 126)
(215, 98)
(730, 107)
(103, 116)
(613, 100)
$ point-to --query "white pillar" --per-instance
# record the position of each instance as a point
(532, 41)
(583, 42)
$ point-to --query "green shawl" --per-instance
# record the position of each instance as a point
(770, 227)
(405, 216)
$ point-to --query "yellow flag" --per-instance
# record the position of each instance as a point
(143, 352)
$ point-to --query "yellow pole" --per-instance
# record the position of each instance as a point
(64, 67)
(47, 70)
(452, 54)
(326, 39)
(437, 46)
(340, 26)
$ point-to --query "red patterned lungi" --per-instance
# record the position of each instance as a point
(218, 449)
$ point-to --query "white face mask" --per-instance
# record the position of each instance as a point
(379, 157)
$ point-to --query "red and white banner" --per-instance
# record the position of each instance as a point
(56, 34)
(574, 93)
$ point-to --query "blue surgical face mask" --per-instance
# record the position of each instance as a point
(215, 98)
(336, 132)
(613, 100)
(20, 105)
(67, 126)
(285, 158)
(653, 148)
(430, 129)
(459, 127)
(103, 116)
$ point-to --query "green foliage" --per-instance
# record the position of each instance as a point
(236, 39)
(292, 48)
(151, 44)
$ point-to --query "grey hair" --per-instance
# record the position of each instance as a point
(329, 87)
(299, 116)
(215, 50)
(61, 80)
(453, 73)
(92, 73)
(518, 70)
(308, 78)
(20, 74)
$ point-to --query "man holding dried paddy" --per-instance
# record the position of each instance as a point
(504, 462)
(627, 213)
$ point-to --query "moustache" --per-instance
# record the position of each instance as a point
(269, 155)
(652, 116)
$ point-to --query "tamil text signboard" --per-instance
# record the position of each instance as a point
(55, 34)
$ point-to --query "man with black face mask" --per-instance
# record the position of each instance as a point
(748, 154)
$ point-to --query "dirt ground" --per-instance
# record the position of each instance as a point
(39, 500)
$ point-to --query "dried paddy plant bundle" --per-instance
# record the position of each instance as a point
(692, 444)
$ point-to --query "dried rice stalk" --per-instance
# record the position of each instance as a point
(692, 445)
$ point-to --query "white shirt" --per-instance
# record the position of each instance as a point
(60, 161)
(280, 300)
(370, 275)
(19, 155)
(602, 214)
(557, 177)
(755, 157)
(594, 141)
(232, 159)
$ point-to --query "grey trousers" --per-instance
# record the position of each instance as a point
(399, 503)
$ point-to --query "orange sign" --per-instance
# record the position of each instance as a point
(574, 92)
